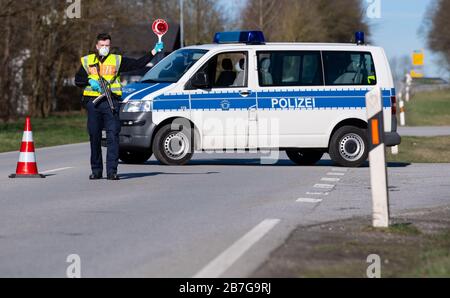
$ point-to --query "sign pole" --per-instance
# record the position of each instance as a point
(377, 157)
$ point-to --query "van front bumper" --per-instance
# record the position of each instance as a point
(136, 132)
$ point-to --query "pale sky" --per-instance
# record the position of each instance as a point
(397, 29)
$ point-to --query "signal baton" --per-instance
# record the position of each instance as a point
(160, 28)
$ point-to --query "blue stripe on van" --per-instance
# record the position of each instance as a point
(223, 104)
(133, 88)
(139, 90)
(232, 100)
(171, 104)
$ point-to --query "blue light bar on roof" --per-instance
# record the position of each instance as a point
(359, 38)
(248, 37)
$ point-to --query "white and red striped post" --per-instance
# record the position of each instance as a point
(408, 82)
(27, 166)
(377, 157)
(402, 113)
(407, 94)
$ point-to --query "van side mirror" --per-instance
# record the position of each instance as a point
(200, 81)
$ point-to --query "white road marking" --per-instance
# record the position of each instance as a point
(56, 170)
(226, 259)
(330, 179)
(339, 170)
(320, 185)
(335, 174)
(318, 193)
(308, 200)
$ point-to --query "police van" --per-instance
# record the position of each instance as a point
(242, 93)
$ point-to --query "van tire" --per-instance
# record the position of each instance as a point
(304, 157)
(349, 146)
(173, 146)
(134, 157)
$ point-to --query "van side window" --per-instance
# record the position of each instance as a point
(231, 70)
(349, 68)
(227, 70)
(290, 68)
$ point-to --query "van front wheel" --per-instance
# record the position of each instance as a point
(173, 146)
(349, 146)
(304, 157)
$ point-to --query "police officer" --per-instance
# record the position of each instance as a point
(100, 115)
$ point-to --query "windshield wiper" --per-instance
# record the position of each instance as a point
(150, 81)
(153, 81)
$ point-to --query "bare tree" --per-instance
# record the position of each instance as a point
(306, 20)
(340, 19)
(302, 21)
(41, 46)
(263, 15)
(437, 26)
(11, 14)
(202, 19)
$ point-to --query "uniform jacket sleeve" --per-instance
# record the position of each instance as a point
(130, 64)
(81, 78)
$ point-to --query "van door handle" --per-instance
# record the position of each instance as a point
(245, 93)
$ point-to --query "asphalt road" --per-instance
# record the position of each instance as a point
(220, 216)
(424, 131)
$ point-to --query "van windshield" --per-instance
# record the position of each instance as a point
(173, 67)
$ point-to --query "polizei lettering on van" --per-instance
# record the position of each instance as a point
(294, 103)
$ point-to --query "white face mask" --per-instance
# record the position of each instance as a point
(104, 51)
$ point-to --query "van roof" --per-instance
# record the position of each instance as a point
(281, 44)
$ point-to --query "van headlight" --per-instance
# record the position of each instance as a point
(136, 106)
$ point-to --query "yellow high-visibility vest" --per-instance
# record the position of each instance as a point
(109, 70)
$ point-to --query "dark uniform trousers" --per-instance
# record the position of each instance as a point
(100, 116)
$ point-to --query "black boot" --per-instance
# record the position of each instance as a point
(113, 177)
(95, 176)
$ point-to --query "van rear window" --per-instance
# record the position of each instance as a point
(290, 68)
(349, 68)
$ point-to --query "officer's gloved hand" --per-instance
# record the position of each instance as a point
(159, 47)
(95, 85)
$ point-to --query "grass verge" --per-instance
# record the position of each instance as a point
(61, 129)
(429, 109)
(422, 149)
(418, 245)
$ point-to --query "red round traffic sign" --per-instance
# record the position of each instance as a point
(160, 27)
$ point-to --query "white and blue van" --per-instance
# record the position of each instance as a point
(243, 93)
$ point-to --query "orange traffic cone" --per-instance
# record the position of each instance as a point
(27, 167)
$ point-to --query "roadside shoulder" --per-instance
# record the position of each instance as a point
(416, 245)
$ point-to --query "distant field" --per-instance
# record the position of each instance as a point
(56, 130)
(422, 149)
(429, 109)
